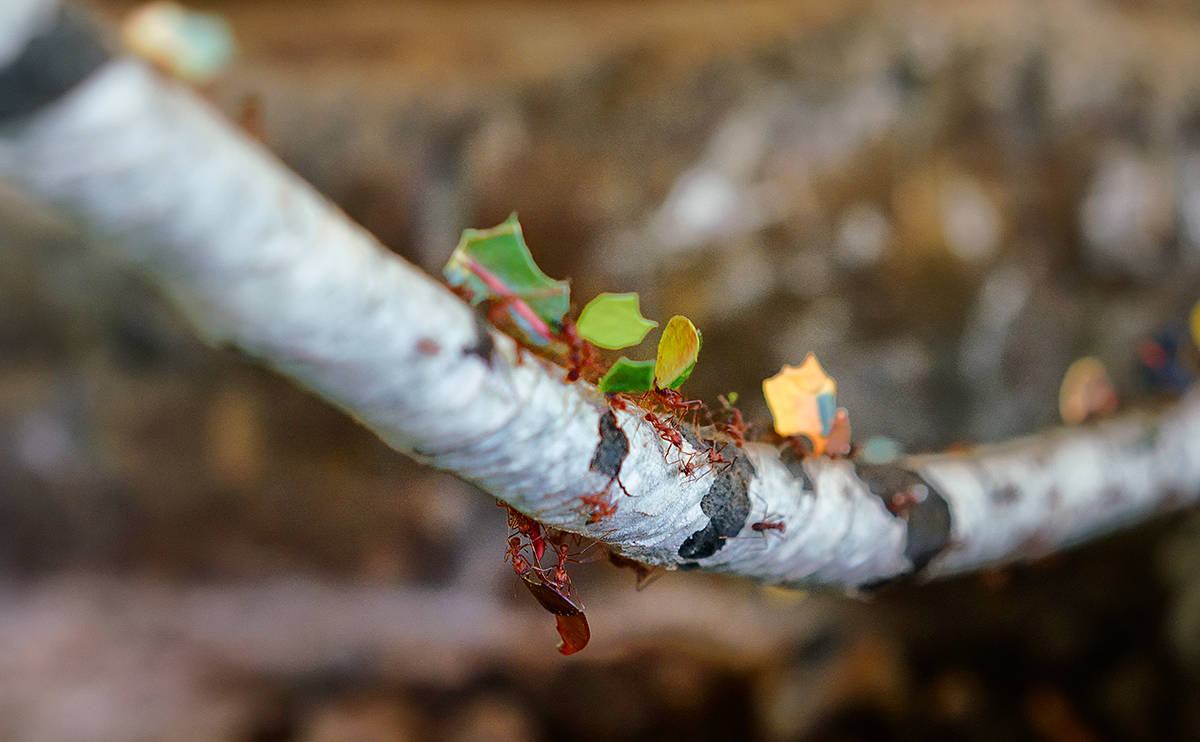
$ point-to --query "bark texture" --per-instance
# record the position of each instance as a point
(255, 258)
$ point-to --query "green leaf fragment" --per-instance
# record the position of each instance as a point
(628, 376)
(614, 321)
(501, 251)
(678, 349)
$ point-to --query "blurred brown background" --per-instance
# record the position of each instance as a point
(947, 202)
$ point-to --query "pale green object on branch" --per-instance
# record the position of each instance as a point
(193, 46)
(496, 264)
(614, 321)
(628, 376)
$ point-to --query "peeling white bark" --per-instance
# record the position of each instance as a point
(256, 258)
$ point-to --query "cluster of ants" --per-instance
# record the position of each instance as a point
(599, 505)
(582, 363)
(665, 410)
(536, 540)
(550, 585)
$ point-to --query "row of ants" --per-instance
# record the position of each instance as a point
(674, 402)
(734, 426)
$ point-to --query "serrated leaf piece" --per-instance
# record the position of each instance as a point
(678, 349)
(803, 401)
(628, 376)
(496, 264)
(614, 321)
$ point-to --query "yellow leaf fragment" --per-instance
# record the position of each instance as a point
(1194, 323)
(678, 349)
(1086, 392)
(803, 401)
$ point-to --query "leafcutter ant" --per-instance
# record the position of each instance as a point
(527, 527)
(558, 573)
(675, 402)
(553, 594)
(599, 506)
(665, 431)
(769, 523)
(713, 458)
(710, 455)
(617, 402)
(772, 523)
(735, 426)
(580, 354)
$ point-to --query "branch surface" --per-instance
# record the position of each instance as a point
(256, 259)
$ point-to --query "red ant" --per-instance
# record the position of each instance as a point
(735, 427)
(599, 506)
(687, 468)
(559, 577)
(558, 573)
(617, 402)
(553, 595)
(711, 456)
(665, 431)
(520, 564)
(527, 527)
(768, 523)
(677, 403)
(579, 351)
(772, 524)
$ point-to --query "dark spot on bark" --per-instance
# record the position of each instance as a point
(925, 510)
(727, 504)
(612, 449)
(1006, 494)
(702, 543)
(61, 55)
(794, 463)
(484, 346)
(428, 347)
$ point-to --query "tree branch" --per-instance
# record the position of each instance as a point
(255, 258)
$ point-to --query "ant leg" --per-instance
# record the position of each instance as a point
(617, 478)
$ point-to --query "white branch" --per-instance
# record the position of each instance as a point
(254, 257)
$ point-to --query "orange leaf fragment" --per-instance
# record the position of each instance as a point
(838, 443)
(1086, 392)
(803, 401)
